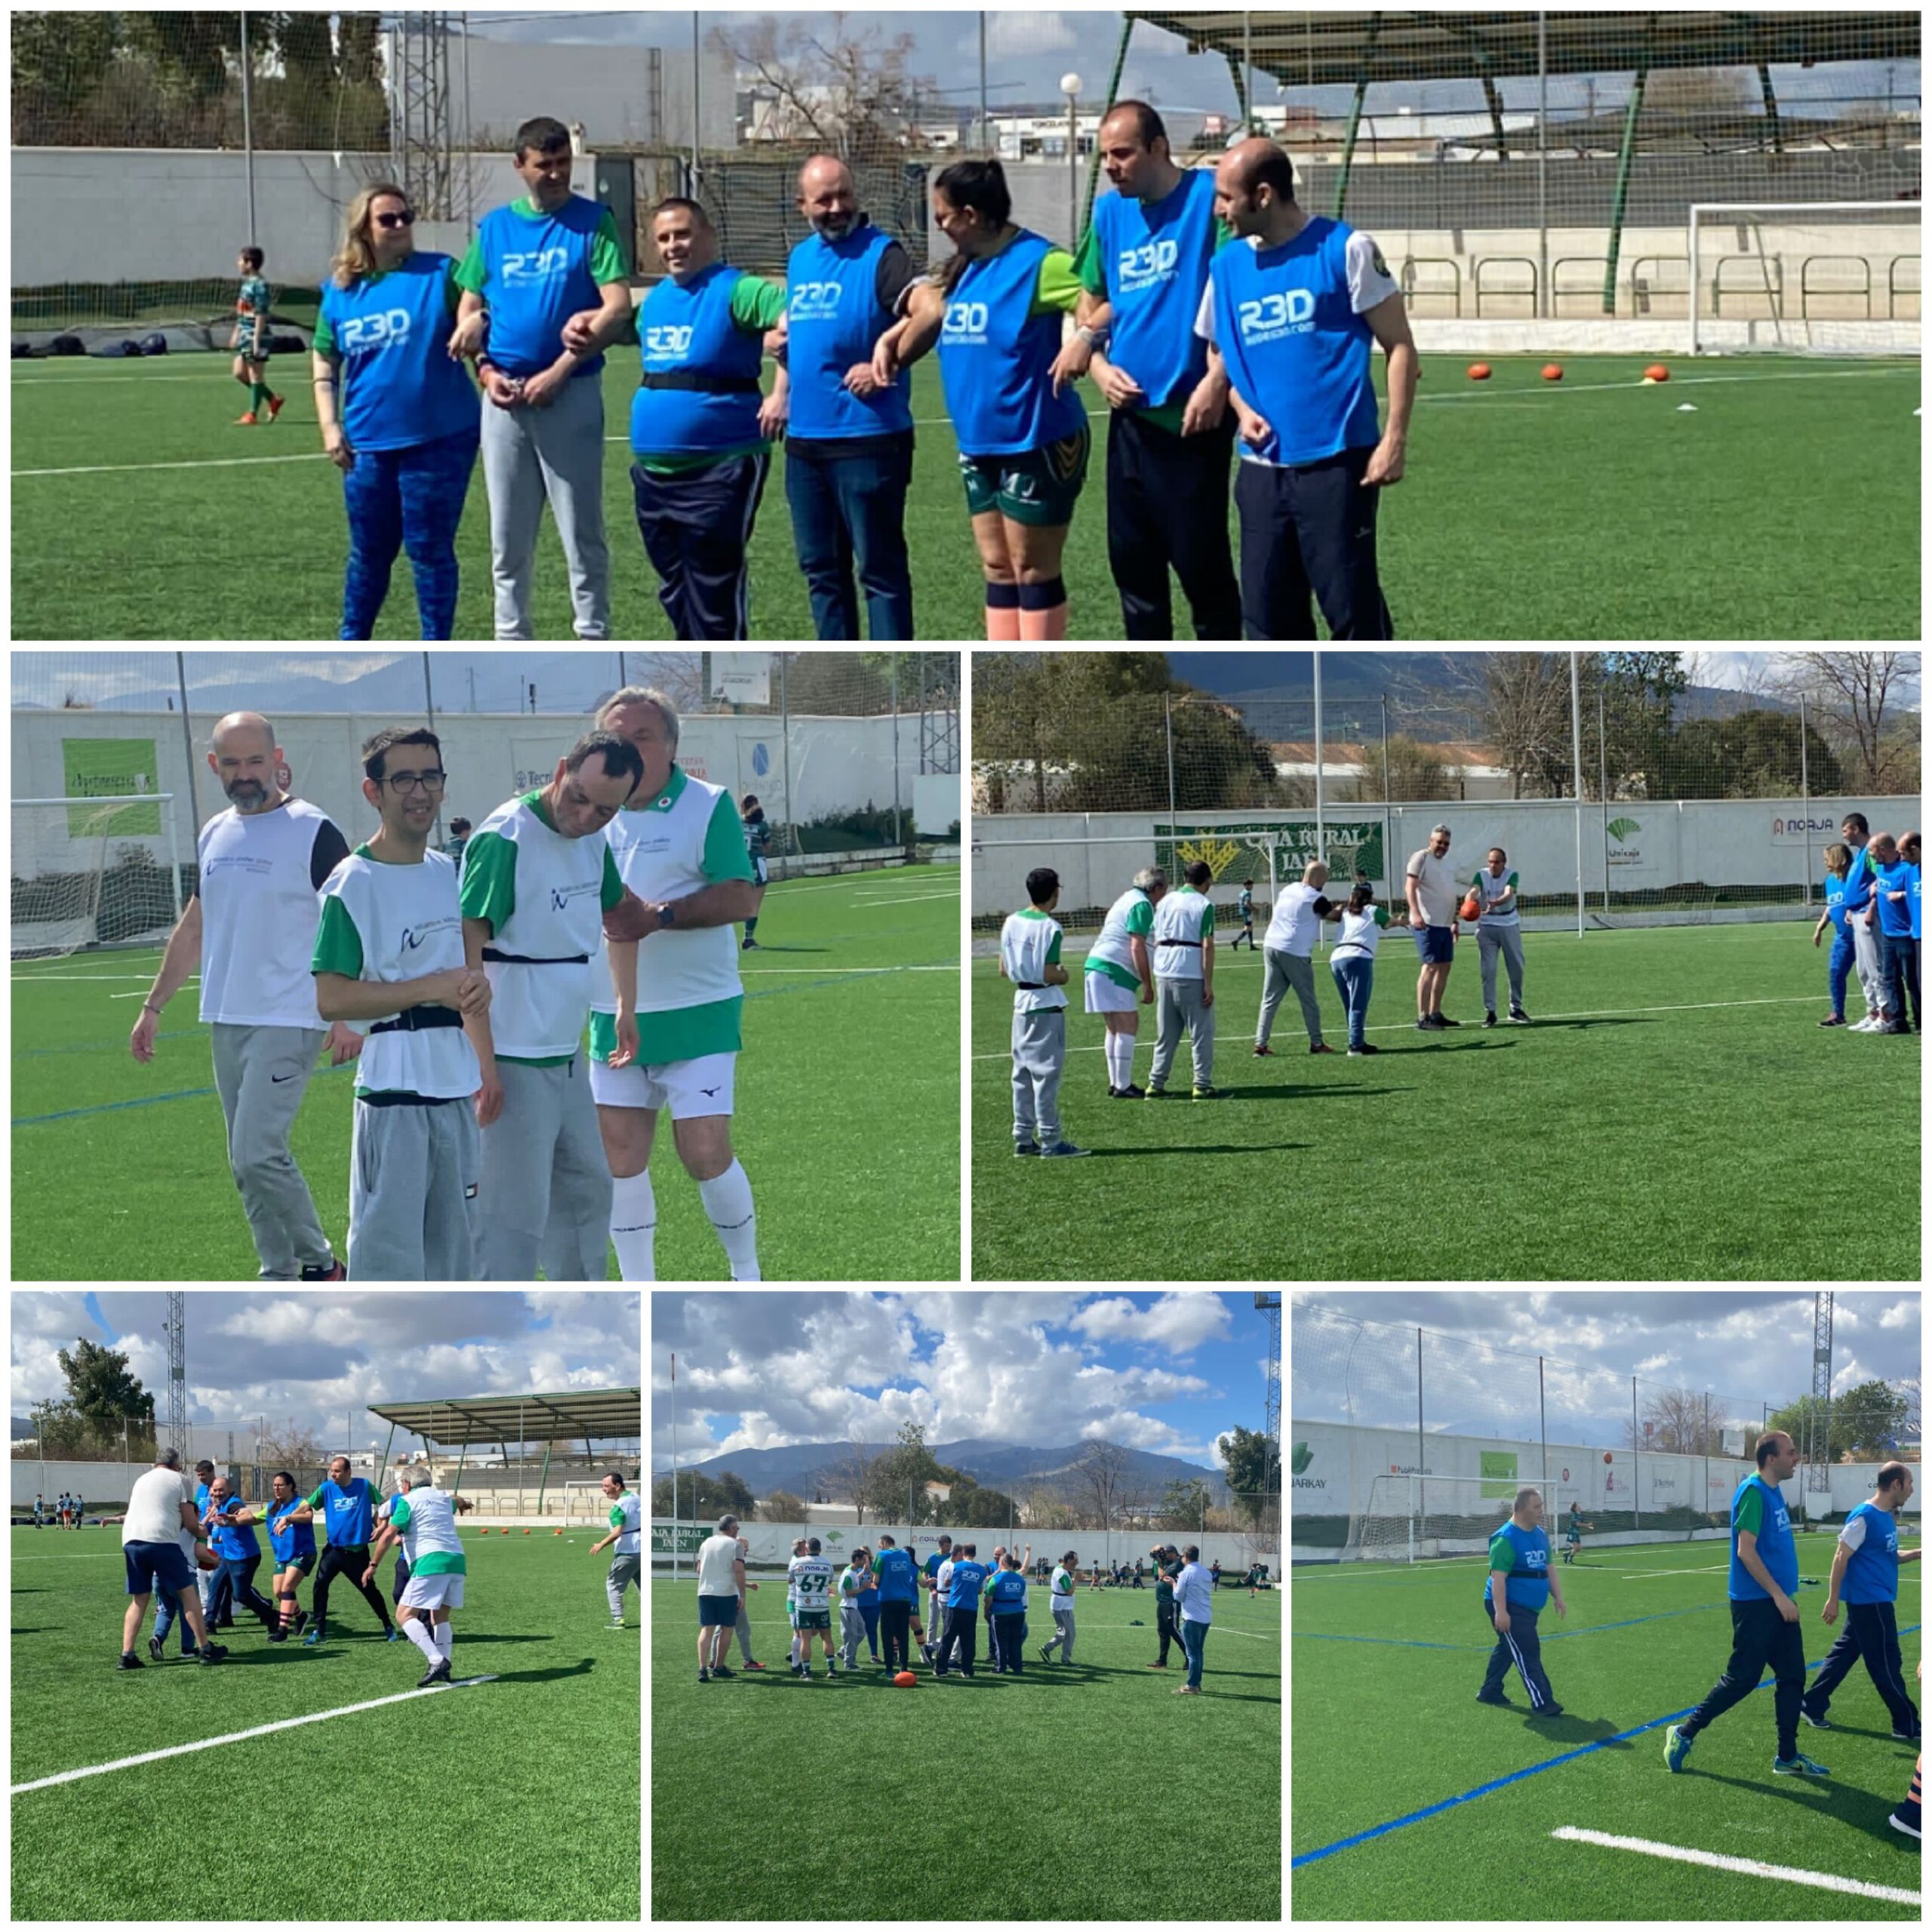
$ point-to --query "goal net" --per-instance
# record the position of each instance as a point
(93, 872)
(1817, 278)
(586, 1505)
(1408, 1517)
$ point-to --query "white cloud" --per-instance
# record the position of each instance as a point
(1016, 32)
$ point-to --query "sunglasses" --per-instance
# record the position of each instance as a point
(405, 219)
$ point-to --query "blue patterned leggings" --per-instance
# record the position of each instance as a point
(410, 500)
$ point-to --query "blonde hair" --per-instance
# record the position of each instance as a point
(1838, 859)
(356, 257)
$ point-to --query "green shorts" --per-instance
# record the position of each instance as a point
(814, 1619)
(1038, 487)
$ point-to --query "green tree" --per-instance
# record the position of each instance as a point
(59, 61)
(1749, 754)
(782, 1506)
(703, 1498)
(1184, 1505)
(1415, 771)
(1254, 1464)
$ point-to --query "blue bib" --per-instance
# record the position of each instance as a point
(996, 359)
(1155, 256)
(536, 271)
(834, 318)
(1294, 347)
(399, 386)
(1895, 915)
(686, 328)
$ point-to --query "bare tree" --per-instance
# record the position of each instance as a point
(828, 85)
(853, 1472)
(1526, 701)
(1860, 698)
(1101, 1476)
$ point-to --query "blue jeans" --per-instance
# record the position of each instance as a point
(851, 511)
(167, 1608)
(1193, 1641)
(1838, 971)
(1355, 979)
(405, 499)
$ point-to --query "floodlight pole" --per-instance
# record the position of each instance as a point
(247, 132)
(1321, 836)
(1576, 757)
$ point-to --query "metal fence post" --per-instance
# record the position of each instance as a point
(1804, 784)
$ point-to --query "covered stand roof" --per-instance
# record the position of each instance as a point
(1331, 50)
(450, 1420)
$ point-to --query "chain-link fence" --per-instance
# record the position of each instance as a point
(1620, 787)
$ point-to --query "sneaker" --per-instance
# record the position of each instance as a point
(1264, 1053)
(1063, 1150)
(1443, 1020)
(1549, 1711)
(154, 1649)
(128, 1661)
(1833, 1020)
(1429, 1023)
(274, 406)
(1321, 1047)
(211, 1653)
(335, 1271)
(438, 1673)
(1151, 1092)
(1517, 1017)
(1498, 1699)
(1860, 1025)
(395, 1636)
(1817, 1723)
(750, 945)
(1359, 1052)
(1024, 1147)
(1489, 1018)
(246, 420)
(1905, 1737)
(1183, 1691)
(1798, 1766)
(704, 1677)
(752, 1663)
(1905, 1819)
(1127, 1092)
(718, 1670)
(314, 1637)
(1206, 1093)
(1676, 1748)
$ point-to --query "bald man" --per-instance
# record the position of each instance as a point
(848, 455)
(1295, 309)
(1288, 948)
(251, 928)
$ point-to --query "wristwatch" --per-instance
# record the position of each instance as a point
(668, 916)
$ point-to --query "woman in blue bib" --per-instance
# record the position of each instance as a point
(399, 416)
(996, 313)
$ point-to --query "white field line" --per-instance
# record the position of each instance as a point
(235, 1737)
(1749, 1868)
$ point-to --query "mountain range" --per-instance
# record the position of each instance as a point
(810, 1468)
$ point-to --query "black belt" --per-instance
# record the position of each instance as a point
(418, 1019)
(1031, 986)
(691, 378)
(497, 958)
(1195, 943)
(407, 1099)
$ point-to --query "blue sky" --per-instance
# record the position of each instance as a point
(321, 1359)
(1163, 1372)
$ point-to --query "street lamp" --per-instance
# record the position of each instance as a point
(1069, 85)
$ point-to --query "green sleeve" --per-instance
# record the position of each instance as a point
(1751, 1511)
(1382, 916)
(606, 253)
(611, 891)
(1511, 882)
(323, 341)
(1056, 288)
(315, 1501)
(338, 945)
(757, 305)
(452, 292)
(1087, 264)
(724, 854)
(1502, 1553)
(1053, 947)
(489, 880)
(471, 273)
(1223, 234)
(1208, 920)
(1140, 917)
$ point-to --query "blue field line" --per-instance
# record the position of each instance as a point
(1516, 1777)
(830, 979)
(1542, 1636)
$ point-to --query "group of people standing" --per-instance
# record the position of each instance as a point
(1216, 318)
(1872, 911)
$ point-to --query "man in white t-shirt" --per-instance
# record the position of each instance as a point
(627, 1536)
(721, 1591)
(160, 1509)
(251, 929)
(1287, 952)
(1434, 895)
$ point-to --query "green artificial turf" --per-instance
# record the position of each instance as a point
(1412, 1802)
(1076, 1793)
(1674, 1112)
(1785, 505)
(847, 1121)
(510, 1800)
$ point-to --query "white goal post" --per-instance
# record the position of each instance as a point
(1805, 278)
(1409, 1517)
(586, 1506)
(90, 872)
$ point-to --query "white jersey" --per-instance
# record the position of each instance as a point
(154, 1506)
(425, 1519)
(627, 1519)
(717, 1556)
(811, 1580)
(688, 837)
(1490, 888)
(1437, 891)
(1028, 944)
(256, 876)
(1361, 933)
(1182, 920)
(1129, 917)
(1293, 927)
(385, 923)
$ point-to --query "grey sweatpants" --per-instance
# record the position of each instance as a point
(414, 1173)
(1507, 940)
(543, 1160)
(1039, 1057)
(1865, 962)
(1178, 1004)
(851, 1633)
(624, 1571)
(1063, 1634)
(261, 1073)
(554, 453)
(1281, 971)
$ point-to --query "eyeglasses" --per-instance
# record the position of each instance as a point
(417, 781)
(405, 219)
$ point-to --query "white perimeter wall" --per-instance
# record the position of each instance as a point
(771, 1542)
(1729, 842)
(838, 763)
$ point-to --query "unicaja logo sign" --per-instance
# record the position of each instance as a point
(1299, 1462)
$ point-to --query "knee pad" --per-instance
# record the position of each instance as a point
(1047, 596)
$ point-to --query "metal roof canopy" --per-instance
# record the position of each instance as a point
(1342, 50)
(450, 1420)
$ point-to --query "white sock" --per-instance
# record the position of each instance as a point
(1119, 1059)
(728, 1200)
(417, 1631)
(446, 1638)
(634, 1226)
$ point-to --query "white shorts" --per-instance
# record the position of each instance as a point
(437, 1593)
(1109, 996)
(692, 1089)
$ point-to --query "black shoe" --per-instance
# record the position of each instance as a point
(1026, 1147)
(1127, 1092)
(1517, 1017)
(1499, 1699)
(1429, 1023)
(1906, 1737)
(1549, 1711)
(128, 1661)
(1443, 1020)
(1357, 1053)
(1489, 1018)
(704, 1677)
(211, 1653)
(1833, 1020)
(336, 1271)
(1818, 1723)
(438, 1673)
(155, 1649)
(718, 1670)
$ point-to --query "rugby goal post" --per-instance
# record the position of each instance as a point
(90, 872)
(586, 1506)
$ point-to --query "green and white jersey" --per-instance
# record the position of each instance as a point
(1183, 918)
(1491, 889)
(1029, 944)
(690, 998)
(627, 1519)
(385, 923)
(1131, 916)
(1361, 933)
(1063, 1584)
(545, 896)
(425, 1519)
(811, 1583)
